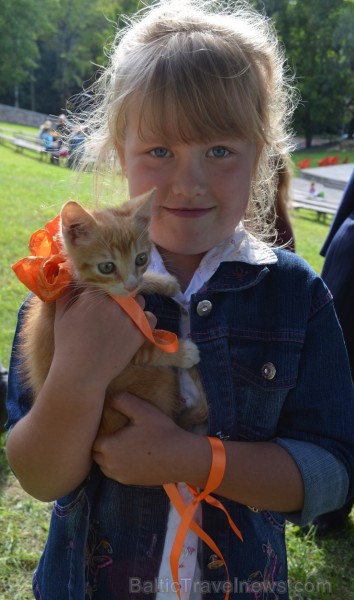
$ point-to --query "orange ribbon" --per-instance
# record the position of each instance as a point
(47, 273)
(187, 512)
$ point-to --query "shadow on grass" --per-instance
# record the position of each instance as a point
(312, 218)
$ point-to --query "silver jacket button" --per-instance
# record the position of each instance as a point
(204, 308)
(268, 371)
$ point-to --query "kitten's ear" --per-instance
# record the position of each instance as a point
(142, 205)
(76, 222)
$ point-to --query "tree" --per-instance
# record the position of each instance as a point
(73, 53)
(51, 47)
(318, 38)
(20, 23)
(344, 37)
(69, 53)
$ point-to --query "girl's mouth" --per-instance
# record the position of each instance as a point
(189, 213)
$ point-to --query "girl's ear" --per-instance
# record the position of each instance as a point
(76, 223)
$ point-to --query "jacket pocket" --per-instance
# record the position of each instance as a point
(68, 504)
(264, 371)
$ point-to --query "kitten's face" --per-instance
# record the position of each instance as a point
(109, 248)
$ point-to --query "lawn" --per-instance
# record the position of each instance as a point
(317, 153)
(32, 193)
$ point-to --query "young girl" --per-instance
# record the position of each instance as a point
(194, 103)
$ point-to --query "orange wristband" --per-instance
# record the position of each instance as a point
(187, 512)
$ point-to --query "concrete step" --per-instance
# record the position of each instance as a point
(336, 176)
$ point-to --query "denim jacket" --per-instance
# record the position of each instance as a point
(274, 367)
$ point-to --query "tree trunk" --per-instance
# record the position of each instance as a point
(308, 139)
(16, 96)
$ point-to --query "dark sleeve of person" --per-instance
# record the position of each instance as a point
(338, 274)
(345, 208)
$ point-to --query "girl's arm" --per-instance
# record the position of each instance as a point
(153, 450)
(49, 449)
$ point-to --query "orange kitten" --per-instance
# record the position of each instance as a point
(109, 251)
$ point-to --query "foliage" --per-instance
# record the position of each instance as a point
(76, 46)
(53, 46)
(20, 25)
(318, 38)
(50, 49)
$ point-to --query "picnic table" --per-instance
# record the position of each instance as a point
(25, 141)
(322, 204)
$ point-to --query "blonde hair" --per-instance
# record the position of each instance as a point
(197, 74)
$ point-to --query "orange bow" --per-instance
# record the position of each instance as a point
(47, 273)
(187, 512)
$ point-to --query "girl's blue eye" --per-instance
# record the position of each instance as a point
(160, 152)
(218, 152)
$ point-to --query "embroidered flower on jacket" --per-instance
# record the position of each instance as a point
(97, 557)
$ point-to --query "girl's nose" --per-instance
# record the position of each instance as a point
(189, 180)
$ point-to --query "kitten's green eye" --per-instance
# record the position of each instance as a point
(141, 259)
(106, 268)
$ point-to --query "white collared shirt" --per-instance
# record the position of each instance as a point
(243, 247)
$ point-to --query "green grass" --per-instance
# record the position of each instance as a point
(317, 153)
(23, 528)
(32, 193)
(309, 236)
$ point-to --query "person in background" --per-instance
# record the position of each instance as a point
(47, 137)
(76, 147)
(312, 190)
(338, 274)
(61, 126)
(52, 142)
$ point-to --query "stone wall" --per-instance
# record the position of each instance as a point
(21, 116)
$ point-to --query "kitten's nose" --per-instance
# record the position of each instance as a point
(131, 284)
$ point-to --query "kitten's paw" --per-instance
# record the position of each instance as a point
(190, 354)
(172, 286)
(156, 283)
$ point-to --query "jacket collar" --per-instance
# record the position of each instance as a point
(241, 248)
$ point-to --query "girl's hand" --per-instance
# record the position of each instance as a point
(151, 449)
(50, 449)
(94, 338)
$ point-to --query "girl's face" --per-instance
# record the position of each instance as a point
(202, 188)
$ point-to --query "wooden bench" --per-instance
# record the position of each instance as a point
(4, 137)
(28, 137)
(322, 206)
(21, 145)
(21, 141)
